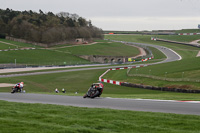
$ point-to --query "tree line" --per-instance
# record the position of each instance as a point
(47, 27)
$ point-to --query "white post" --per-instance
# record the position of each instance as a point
(149, 71)
(165, 75)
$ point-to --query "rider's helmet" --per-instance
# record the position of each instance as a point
(22, 82)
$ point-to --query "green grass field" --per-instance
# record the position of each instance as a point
(157, 53)
(105, 48)
(188, 31)
(63, 56)
(40, 57)
(174, 69)
(19, 44)
(43, 118)
(6, 46)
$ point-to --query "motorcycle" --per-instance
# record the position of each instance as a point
(94, 91)
(15, 89)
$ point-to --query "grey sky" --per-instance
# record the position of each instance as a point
(121, 14)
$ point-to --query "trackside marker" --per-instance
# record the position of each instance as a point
(121, 68)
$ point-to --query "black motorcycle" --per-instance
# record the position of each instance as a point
(15, 89)
(93, 91)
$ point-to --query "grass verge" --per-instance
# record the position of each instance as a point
(21, 117)
(103, 48)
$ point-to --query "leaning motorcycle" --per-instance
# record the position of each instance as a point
(94, 91)
(15, 89)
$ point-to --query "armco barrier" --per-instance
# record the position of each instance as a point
(190, 34)
(169, 41)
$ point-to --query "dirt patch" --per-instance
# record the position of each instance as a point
(6, 85)
(195, 42)
(198, 54)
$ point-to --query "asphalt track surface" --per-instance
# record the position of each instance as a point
(111, 103)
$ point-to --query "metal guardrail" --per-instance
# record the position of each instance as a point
(176, 42)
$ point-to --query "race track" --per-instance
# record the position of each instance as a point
(111, 103)
(170, 54)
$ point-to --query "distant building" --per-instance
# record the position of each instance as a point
(79, 40)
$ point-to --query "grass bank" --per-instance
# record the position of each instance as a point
(67, 55)
(40, 57)
(19, 44)
(103, 48)
(5, 46)
(21, 117)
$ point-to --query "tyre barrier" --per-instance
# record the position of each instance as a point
(159, 88)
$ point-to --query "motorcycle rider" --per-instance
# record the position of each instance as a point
(100, 88)
(19, 86)
(95, 87)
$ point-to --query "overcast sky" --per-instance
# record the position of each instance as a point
(125, 15)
